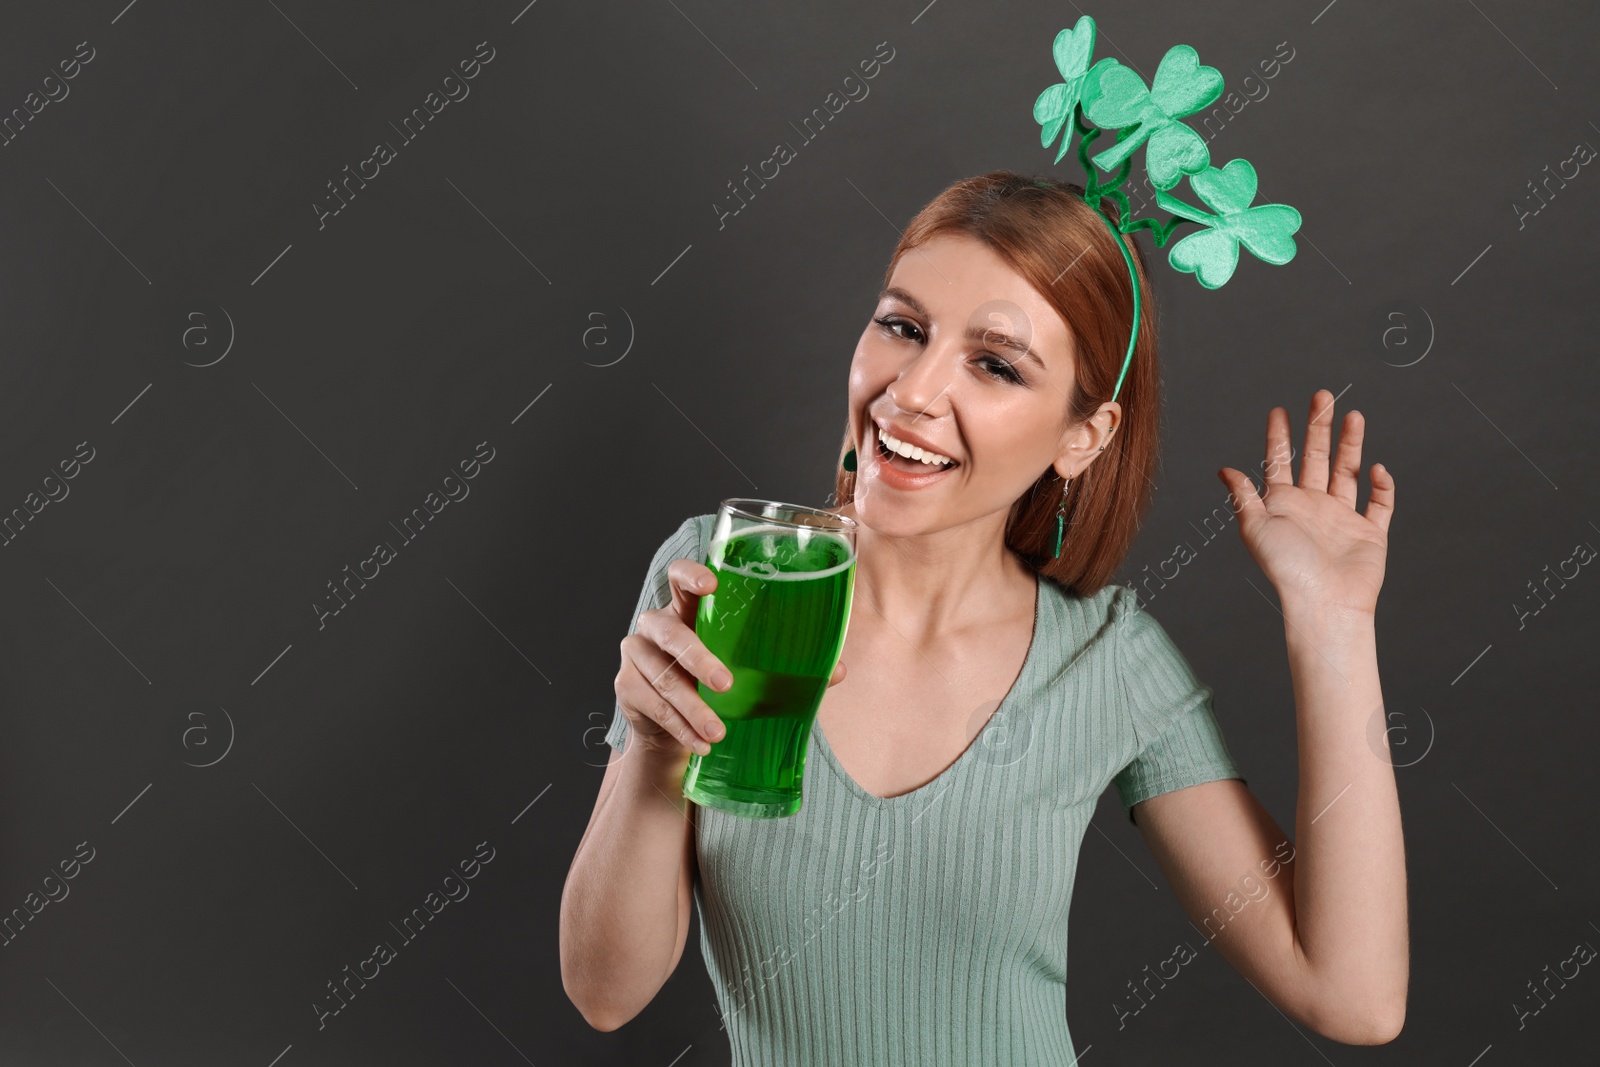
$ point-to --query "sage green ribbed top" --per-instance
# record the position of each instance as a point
(930, 929)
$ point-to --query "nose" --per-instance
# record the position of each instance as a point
(925, 381)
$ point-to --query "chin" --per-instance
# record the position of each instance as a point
(900, 514)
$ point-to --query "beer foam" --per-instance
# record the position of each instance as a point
(766, 571)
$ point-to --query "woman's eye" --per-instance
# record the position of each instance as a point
(890, 324)
(999, 368)
(993, 365)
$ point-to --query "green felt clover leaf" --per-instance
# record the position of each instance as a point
(1182, 87)
(1053, 109)
(1212, 254)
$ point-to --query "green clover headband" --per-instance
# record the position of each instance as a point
(1116, 98)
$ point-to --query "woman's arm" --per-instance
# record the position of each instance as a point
(1319, 926)
(625, 906)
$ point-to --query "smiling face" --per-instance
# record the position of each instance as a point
(964, 358)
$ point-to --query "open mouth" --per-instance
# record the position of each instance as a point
(910, 459)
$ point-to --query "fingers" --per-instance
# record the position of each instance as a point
(664, 692)
(1380, 502)
(1319, 438)
(690, 581)
(1247, 503)
(1278, 454)
(677, 640)
(838, 674)
(1347, 465)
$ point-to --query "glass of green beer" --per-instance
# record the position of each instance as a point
(785, 580)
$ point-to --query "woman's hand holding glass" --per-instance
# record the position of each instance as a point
(661, 662)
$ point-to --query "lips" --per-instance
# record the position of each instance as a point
(885, 470)
(889, 473)
(910, 438)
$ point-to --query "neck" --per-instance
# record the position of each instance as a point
(936, 584)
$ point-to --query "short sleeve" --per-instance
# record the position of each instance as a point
(684, 543)
(1180, 742)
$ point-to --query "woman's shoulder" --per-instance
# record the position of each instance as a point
(687, 539)
(702, 525)
(1108, 603)
(1111, 616)
(694, 526)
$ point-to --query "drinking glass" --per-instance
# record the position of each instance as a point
(785, 581)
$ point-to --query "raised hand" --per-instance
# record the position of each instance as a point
(1308, 539)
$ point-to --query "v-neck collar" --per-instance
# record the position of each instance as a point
(1018, 688)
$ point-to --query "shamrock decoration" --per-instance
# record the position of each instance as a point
(1112, 97)
(1211, 254)
(1055, 105)
(1182, 87)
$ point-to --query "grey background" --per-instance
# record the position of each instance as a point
(163, 608)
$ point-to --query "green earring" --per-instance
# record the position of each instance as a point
(850, 460)
(1061, 518)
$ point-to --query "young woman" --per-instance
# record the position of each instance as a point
(915, 910)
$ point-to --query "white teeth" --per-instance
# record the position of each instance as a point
(913, 452)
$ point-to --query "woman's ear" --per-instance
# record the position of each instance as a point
(1087, 440)
(1107, 420)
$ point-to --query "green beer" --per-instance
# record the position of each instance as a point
(777, 620)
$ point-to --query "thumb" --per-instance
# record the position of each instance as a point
(838, 674)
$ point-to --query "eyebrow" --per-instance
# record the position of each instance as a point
(998, 338)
